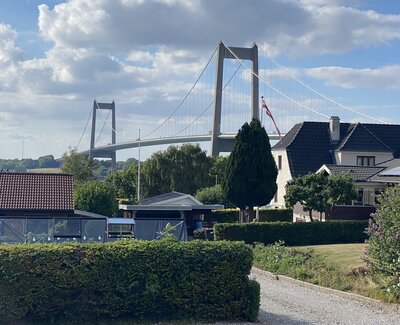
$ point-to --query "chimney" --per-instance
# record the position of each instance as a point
(334, 128)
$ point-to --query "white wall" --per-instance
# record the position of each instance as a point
(284, 176)
(350, 157)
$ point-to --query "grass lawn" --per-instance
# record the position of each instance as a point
(344, 256)
(339, 266)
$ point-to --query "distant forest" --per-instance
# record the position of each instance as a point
(22, 165)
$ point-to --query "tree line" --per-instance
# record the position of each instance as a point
(245, 179)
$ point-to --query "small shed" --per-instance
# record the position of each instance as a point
(40, 208)
(178, 209)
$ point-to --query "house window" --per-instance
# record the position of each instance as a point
(279, 162)
(359, 197)
(378, 191)
(365, 161)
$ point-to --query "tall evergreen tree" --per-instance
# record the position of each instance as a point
(250, 178)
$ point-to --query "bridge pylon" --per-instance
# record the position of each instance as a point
(93, 153)
(243, 53)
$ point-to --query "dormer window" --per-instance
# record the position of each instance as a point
(365, 161)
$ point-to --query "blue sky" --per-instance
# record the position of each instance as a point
(56, 57)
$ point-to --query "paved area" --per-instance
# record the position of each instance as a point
(288, 302)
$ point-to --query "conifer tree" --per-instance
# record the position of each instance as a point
(250, 178)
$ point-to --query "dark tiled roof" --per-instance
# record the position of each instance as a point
(308, 144)
(357, 173)
(361, 139)
(161, 198)
(389, 134)
(25, 191)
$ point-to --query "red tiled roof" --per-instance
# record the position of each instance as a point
(25, 191)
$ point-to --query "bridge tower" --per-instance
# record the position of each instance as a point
(103, 153)
(243, 53)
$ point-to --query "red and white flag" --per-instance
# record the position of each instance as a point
(268, 112)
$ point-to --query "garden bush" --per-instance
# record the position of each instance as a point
(204, 234)
(265, 215)
(294, 234)
(275, 215)
(139, 280)
(384, 242)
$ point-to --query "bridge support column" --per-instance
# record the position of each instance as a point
(101, 154)
(217, 144)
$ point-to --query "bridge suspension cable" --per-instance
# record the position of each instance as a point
(102, 129)
(84, 130)
(275, 89)
(317, 92)
(212, 102)
(184, 99)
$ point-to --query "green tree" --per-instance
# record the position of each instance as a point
(341, 190)
(124, 182)
(250, 178)
(97, 197)
(47, 162)
(213, 195)
(318, 192)
(218, 169)
(310, 190)
(184, 169)
(78, 165)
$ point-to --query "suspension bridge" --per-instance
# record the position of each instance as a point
(224, 96)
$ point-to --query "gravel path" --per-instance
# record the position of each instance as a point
(288, 302)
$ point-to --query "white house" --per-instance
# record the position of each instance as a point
(310, 145)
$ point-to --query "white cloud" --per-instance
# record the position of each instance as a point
(383, 78)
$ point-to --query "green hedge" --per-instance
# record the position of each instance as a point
(275, 215)
(139, 280)
(265, 215)
(293, 234)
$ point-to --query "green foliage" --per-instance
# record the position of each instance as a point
(315, 191)
(78, 165)
(218, 169)
(274, 215)
(384, 241)
(265, 215)
(22, 165)
(203, 233)
(294, 234)
(124, 182)
(139, 280)
(250, 178)
(225, 216)
(183, 169)
(213, 195)
(303, 265)
(340, 190)
(96, 197)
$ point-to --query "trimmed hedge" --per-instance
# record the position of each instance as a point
(275, 215)
(139, 280)
(265, 215)
(294, 234)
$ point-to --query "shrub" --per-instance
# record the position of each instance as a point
(265, 215)
(204, 234)
(274, 215)
(225, 216)
(151, 280)
(294, 234)
(213, 195)
(384, 241)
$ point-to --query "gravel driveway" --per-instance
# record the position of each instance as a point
(286, 301)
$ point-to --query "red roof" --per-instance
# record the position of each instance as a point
(26, 191)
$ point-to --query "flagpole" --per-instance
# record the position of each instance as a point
(261, 112)
(138, 177)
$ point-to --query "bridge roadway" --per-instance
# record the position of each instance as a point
(160, 141)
